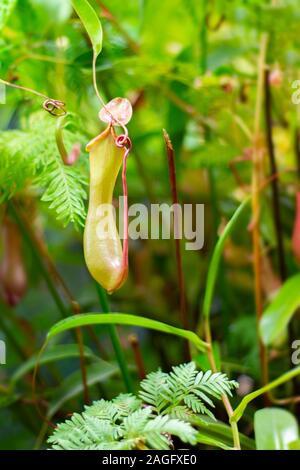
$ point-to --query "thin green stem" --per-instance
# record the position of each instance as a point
(41, 436)
(115, 341)
(23, 88)
(225, 399)
(95, 80)
(235, 434)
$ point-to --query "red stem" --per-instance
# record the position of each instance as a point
(125, 210)
(172, 175)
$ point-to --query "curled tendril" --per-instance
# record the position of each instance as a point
(123, 141)
(54, 107)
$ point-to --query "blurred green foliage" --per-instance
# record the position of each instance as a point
(188, 66)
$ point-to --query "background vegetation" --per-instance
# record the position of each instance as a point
(218, 76)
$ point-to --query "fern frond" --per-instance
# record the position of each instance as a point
(16, 165)
(65, 193)
(102, 409)
(31, 157)
(118, 408)
(153, 390)
(126, 404)
(184, 386)
(172, 405)
(83, 432)
(174, 427)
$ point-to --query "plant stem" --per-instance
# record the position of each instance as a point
(23, 88)
(115, 341)
(95, 80)
(177, 231)
(31, 241)
(225, 399)
(135, 345)
(273, 175)
(256, 183)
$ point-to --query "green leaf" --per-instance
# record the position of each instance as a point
(278, 314)
(274, 429)
(239, 411)
(220, 432)
(31, 156)
(72, 385)
(184, 391)
(209, 441)
(294, 445)
(91, 22)
(124, 319)
(216, 257)
(6, 8)
(56, 353)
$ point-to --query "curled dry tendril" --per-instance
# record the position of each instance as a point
(54, 107)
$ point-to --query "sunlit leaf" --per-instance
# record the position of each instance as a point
(123, 319)
(91, 22)
(278, 314)
(274, 429)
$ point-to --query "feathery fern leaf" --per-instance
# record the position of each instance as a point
(30, 156)
(168, 393)
(171, 401)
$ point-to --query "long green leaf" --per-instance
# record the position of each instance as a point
(216, 257)
(124, 319)
(238, 412)
(56, 353)
(209, 441)
(72, 385)
(278, 314)
(274, 429)
(220, 432)
(91, 22)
